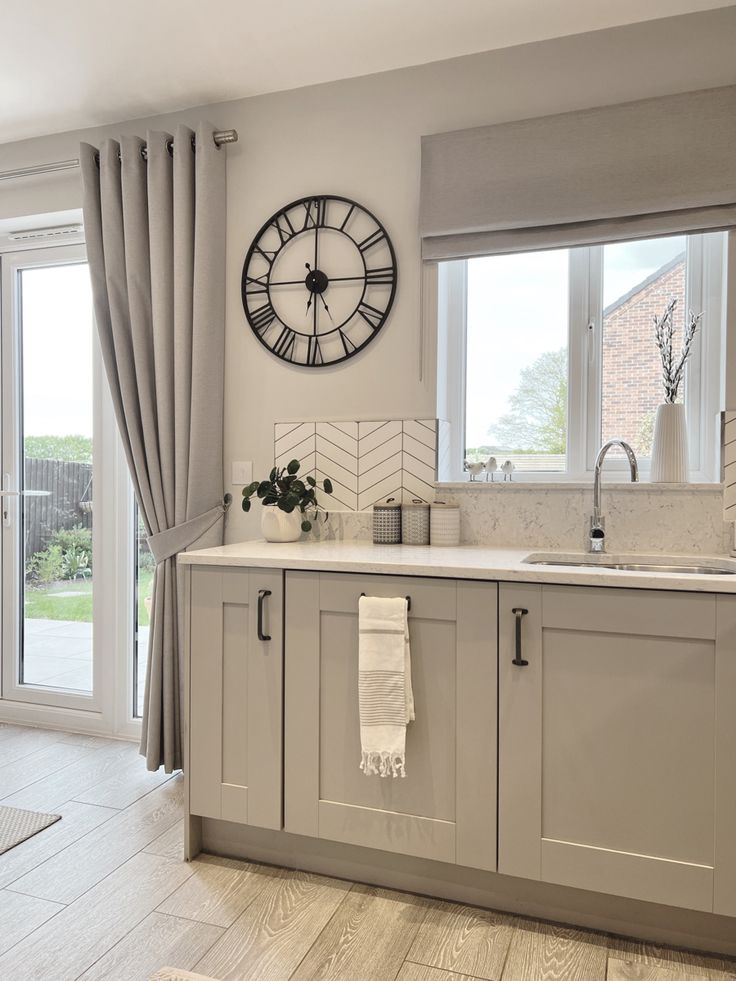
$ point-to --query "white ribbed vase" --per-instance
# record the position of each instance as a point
(278, 526)
(669, 447)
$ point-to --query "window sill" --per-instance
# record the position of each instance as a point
(506, 486)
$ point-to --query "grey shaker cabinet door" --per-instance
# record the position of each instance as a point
(236, 686)
(617, 741)
(445, 807)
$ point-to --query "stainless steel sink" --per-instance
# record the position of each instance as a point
(676, 565)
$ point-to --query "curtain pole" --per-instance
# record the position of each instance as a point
(221, 137)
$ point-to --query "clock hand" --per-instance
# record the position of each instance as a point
(326, 307)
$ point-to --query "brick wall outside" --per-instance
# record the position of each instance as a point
(632, 387)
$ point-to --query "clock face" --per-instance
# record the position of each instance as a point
(319, 281)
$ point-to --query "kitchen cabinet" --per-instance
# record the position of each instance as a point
(445, 807)
(617, 742)
(236, 694)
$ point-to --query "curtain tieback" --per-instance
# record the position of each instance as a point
(165, 544)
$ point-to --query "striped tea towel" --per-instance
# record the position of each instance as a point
(384, 684)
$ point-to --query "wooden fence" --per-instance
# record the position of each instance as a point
(68, 503)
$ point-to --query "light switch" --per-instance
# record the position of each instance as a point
(242, 472)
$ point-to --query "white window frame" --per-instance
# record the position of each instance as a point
(704, 376)
(110, 709)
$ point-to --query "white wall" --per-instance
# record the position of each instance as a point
(360, 138)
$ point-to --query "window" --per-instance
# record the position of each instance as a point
(543, 356)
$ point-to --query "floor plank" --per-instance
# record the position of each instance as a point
(73, 940)
(93, 742)
(65, 876)
(170, 843)
(55, 790)
(270, 938)
(20, 742)
(20, 915)
(463, 939)
(713, 967)
(218, 891)
(367, 939)
(420, 972)
(546, 952)
(619, 970)
(128, 784)
(156, 941)
(44, 761)
(76, 821)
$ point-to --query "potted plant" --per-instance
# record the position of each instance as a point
(290, 504)
(670, 462)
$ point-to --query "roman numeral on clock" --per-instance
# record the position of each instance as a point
(347, 344)
(383, 275)
(373, 239)
(262, 318)
(314, 351)
(284, 346)
(316, 211)
(285, 234)
(372, 315)
(255, 285)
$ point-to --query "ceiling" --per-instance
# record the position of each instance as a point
(71, 65)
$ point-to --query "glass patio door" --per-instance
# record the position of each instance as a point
(51, 451)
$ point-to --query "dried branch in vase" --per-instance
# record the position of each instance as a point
(673, 368)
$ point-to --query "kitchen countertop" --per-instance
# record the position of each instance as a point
(461, 562)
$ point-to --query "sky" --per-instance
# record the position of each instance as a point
(518, 309)
(57, 325)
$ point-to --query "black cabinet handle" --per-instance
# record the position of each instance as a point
(519, 613)
(262, 594)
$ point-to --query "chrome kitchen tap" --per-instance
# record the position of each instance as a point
(597, 531)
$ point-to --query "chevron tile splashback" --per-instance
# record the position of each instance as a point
(366, 461)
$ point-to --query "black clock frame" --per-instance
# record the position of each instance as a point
(318, 285)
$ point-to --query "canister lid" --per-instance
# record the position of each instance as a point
(416, 503)
(390, 503)
(439, 505)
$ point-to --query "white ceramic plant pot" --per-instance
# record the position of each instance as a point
(278, 526)
(669, 446)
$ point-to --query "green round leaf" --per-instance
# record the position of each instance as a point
(273, 475)
(293, 467)
(265, 487)
(311, 481)
(246, 504)
(327, 484)
(286, 505)
(270, 499)
(306, 525)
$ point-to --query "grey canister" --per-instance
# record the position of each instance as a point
(387, 522)
(444, 524)
(415, 523)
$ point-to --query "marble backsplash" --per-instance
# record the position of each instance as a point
(644, 518)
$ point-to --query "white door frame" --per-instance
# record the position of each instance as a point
(109, 709)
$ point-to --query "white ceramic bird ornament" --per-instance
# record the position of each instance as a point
(474, 468)
(491, 467)
(507, 469)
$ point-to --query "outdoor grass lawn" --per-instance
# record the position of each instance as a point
(73, 600)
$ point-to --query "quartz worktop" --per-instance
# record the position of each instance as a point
(461, 562)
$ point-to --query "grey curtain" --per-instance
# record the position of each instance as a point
(154, 219)
(652, 167)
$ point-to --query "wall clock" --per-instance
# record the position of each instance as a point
(319, 281)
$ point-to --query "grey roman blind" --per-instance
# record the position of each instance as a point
(640, 169)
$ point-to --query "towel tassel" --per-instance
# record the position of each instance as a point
(383, 765)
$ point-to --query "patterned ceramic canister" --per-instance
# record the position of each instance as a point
(415, 523)
(387, 522)
(444, 524)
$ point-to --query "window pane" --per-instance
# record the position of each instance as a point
(56, 465)
(144, 566)
(639, 280)
(516, 378)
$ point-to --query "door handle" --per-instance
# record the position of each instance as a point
(519, 613)
(262, 594)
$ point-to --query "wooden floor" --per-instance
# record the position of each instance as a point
(103, 895)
